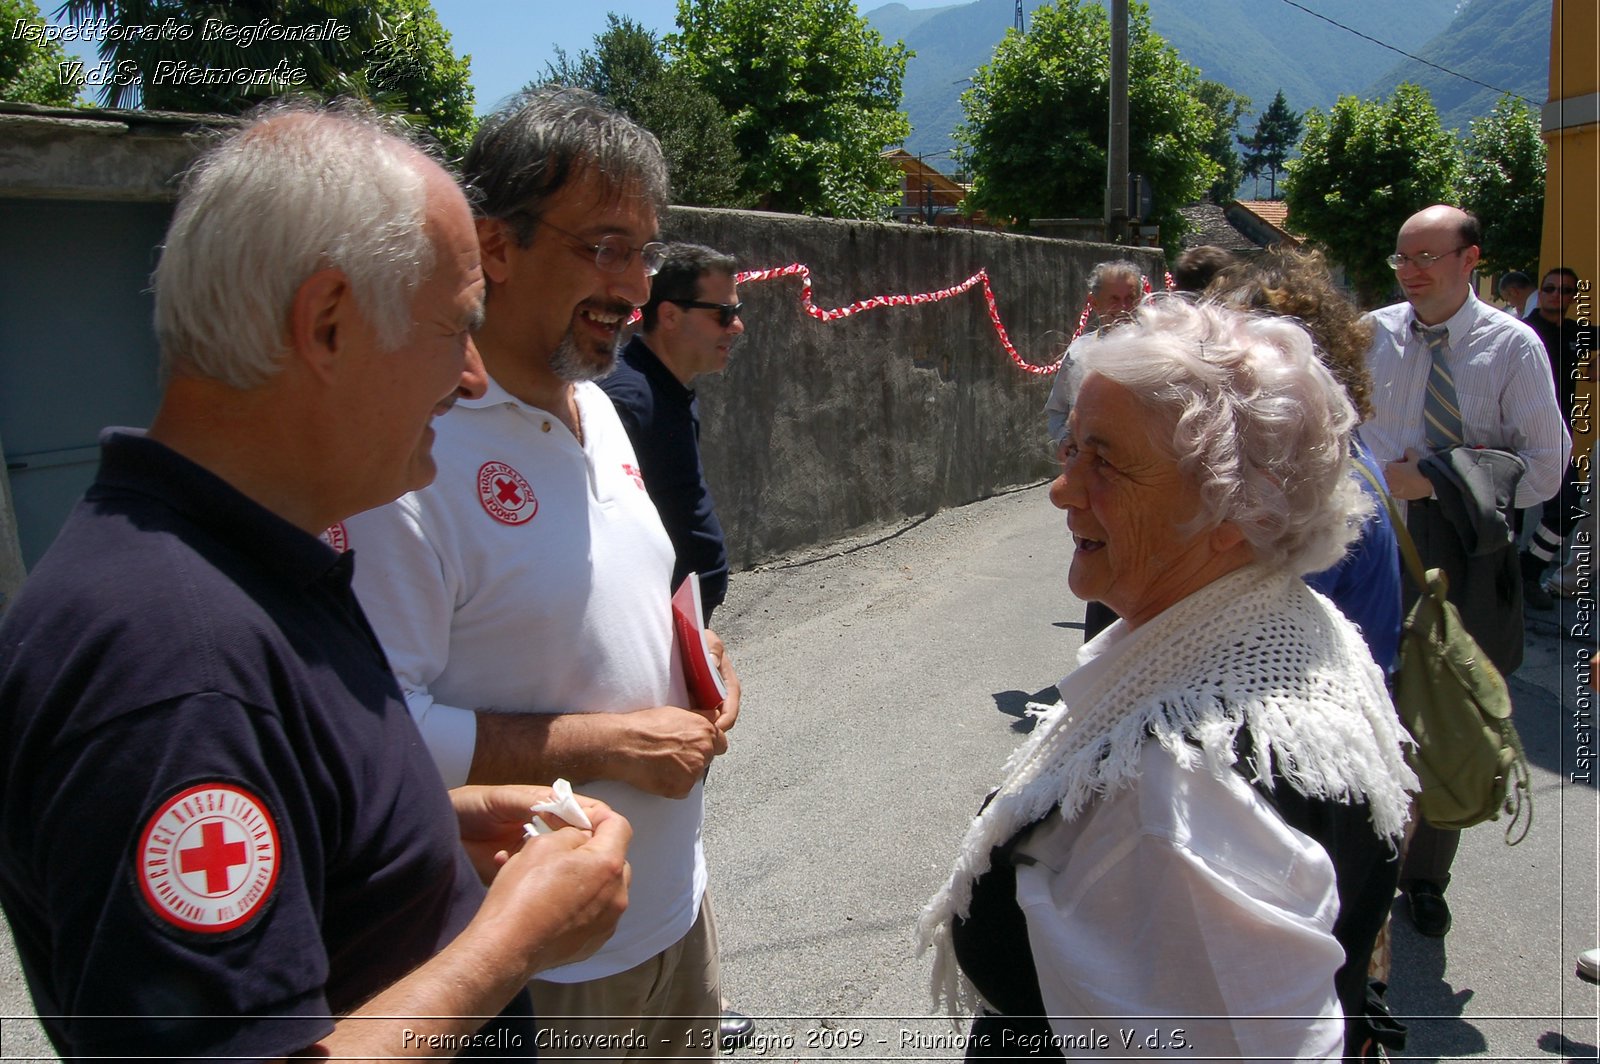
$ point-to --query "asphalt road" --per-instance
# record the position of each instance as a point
(885, 681)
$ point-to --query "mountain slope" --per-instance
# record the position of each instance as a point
(1252, 46)
(1506, 45)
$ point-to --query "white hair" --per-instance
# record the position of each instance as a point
(295, 191)
(1252, 417)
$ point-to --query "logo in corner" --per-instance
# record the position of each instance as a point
(208, 858)
(633, 471)
(336, 537)
(505, 494)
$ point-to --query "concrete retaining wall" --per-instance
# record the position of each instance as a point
(819, 429)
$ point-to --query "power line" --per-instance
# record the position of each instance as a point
(1408, 55)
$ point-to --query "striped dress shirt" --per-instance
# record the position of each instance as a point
(1502, 378)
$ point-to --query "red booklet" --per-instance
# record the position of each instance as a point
(705, 683)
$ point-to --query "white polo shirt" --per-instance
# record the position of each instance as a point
(533, 576)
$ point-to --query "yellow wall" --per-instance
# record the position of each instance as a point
(1571, 235)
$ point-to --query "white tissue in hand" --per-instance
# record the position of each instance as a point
(564, 806)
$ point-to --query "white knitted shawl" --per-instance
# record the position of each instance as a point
(1255, 647)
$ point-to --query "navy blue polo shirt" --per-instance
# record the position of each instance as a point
(219, 827)
(663, 421)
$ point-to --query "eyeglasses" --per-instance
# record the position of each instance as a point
(613, 254)
(1564, 289)
(1422, 260)
(727, 313)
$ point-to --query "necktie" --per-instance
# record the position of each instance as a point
(1441, 410)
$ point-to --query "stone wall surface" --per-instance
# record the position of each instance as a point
(821, 429)
(818, 430)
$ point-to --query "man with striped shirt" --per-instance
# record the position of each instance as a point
(1449, 370)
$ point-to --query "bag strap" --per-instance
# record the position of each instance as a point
(1408, 549)
(1519, 793)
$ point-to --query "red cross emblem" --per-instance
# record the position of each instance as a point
(208, 858)
(505, 494)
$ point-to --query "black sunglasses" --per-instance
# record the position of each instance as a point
(1566, 289)
(727, 313)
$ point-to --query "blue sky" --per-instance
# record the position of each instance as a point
(511, 41)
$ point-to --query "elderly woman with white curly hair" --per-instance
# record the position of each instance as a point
(1192, 855)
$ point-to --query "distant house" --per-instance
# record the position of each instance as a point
(929, 196)
(1264, 221)
(1209, 227)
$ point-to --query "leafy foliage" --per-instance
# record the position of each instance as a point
(1269, 146)
(391, 52)
(1364, 168)
(1224, 107)
(30, 70)
(414, 66)
(629, 67)
(813, 95)
(1037, 113)
(1503, 184)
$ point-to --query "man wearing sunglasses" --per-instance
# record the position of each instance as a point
(1571, 348)
(690, 324)
(1456, 384)
(524, 598)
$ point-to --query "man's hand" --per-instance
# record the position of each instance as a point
(728, 713)
(665, 750)
(1405, 480)
(492, 820)
(558, 898)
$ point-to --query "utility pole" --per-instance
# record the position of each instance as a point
(1117, 207)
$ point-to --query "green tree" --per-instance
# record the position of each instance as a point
(813, 93)
(1364, 168)
(391, 52)
(30, 71)
(1267, 149)
(1503, 184)
(1224, 108)
(629, 67)
(1034, 136)
(413, 68)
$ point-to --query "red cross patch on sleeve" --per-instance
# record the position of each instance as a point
(208, 858)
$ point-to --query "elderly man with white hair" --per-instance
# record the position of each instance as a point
(221, 834)
(1194, 854)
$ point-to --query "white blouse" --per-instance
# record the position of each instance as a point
(1181, 916)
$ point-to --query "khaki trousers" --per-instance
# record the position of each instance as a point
(668, 1006)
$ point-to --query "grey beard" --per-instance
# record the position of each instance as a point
(569, 364)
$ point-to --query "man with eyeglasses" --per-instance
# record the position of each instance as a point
(1456, 382)
(524, 598)
(1571, 349)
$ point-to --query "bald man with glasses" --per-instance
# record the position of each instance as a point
(1455, 380)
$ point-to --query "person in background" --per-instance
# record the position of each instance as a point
(689, 327)
(1365, 583)
(1465, 422)
(1516, 291)
(1197, 267)
(1115, 289)
(1571, 349)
